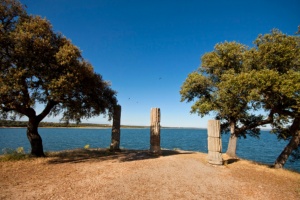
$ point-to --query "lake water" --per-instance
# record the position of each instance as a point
(264, 150)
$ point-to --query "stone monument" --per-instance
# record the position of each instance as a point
(115, 133)
(214, 142)
(155, 131)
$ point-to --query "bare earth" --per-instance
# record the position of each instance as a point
(97, 174)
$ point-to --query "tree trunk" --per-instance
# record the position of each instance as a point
(34, 138)
(231, 149)
(290, 147)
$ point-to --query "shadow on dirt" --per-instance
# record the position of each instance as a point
(229, 161)
(96, 155)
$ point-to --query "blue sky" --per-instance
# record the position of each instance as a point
(146, 49)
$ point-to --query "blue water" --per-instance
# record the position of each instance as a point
(264, 150)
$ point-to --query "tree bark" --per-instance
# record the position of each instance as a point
(231, 149)
(34, 138)
(32, 128)
(291, 146)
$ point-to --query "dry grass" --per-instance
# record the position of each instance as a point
(100, 174)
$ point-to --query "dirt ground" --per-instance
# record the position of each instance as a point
(98, 174)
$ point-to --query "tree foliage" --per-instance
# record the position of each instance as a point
(204, 84)
(39, 66)
(234, 80)
(211, 88)
(279, 59)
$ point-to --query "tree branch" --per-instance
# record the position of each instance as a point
(295, 126)
(259, 123)
(47, 110)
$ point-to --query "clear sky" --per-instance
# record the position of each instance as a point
(147, 48)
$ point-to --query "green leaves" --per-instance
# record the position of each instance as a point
(40, 66)
(209, 85)
(234, 81)
(196, 85)
(226, 56)
(278, 51)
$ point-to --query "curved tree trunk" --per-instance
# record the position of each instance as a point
(290, 147)
(34, 138)
(231, 149)
(32, 128)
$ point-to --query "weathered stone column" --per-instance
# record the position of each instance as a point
(115, 131)
(214, 142)
(155, 131)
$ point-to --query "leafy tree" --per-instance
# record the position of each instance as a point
(270, 80)
(210, 86)
(234, 80)
(39, 66)
(276, 86)
(278, 94)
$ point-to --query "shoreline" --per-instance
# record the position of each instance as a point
(91, 127)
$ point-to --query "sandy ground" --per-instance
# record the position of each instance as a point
(97, 174)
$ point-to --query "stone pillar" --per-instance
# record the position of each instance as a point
(214, 142)
(115, 132)
(155, 131)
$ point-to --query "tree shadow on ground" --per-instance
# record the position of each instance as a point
(229, 161)
(96, 155)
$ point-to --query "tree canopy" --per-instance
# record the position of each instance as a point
(234, 81)
(213, 93)
(39, 66)
(277, 86)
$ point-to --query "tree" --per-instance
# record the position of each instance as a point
(272, 82)
(211, 86)
(234, 83)
(278, 61)
(39, 66)
(278, 94)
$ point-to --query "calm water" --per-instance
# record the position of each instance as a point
(263, 150)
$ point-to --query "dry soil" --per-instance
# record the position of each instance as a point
(98, 174)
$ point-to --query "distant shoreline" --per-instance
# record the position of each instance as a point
(125, 127)
(23, 124)
(95, 127)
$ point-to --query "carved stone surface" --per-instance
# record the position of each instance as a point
(213, 128)
(215, 158)
(214, 142)
(115, 133)
(155, 131)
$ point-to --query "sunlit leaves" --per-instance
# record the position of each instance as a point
(40, 66)
(226, 56)
(67, 54)
(196, 85)
(210, 86)
(278, 51)
(234, 80)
